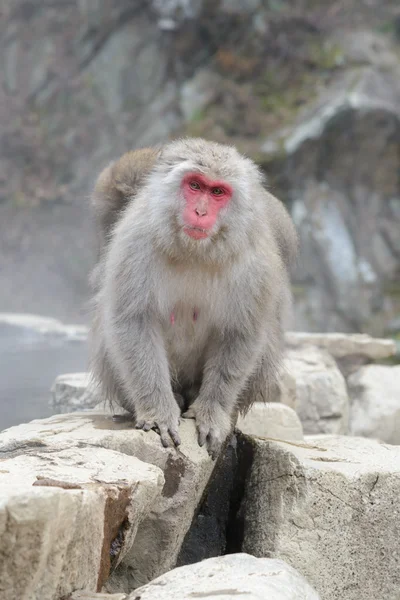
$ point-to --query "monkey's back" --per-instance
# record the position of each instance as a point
(117, 184)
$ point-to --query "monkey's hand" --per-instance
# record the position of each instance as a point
(166, 423)
(213, 424)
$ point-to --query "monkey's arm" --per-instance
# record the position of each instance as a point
(225, 374)
(139, 359)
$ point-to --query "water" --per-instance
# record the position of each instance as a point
(28, 368)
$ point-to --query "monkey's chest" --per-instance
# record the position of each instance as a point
(187, 336)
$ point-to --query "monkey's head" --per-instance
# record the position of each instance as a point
(202, 198)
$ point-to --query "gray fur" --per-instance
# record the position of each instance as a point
(237, 281)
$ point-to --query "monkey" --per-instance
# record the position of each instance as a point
(115, 185)
(118, 182)
(193, 287)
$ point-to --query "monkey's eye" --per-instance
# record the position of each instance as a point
(217, 191)
(194, 185)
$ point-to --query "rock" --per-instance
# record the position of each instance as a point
(238, 7)
(198, 92)
(345, 345)
(93, 596)
(344, 197)
(172, 13)
(232, 576)
(272, 420)
(120, 102)
(328, 507)
(67, 514)
(210, 534)
(367, 47)
(73, 391)
(186, 472)
(374, 392)
(321, 395)
(393, 327)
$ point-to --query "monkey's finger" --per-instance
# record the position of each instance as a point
(214, 446)
(164, 435)
(139, 424)
(203, 432)
(175, 437)
(147, 426)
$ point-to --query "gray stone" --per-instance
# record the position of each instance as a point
(186, 471)
(366, 47)
(328, 507)
(344, 345)
(238, 7)
(321, 395)
(374, 392)
(345, 199)
(94, 596)
(73, 391)
(273, 420)
(197, 93)
(233, 576)
(66, 514)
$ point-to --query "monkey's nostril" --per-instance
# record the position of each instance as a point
(200, 213)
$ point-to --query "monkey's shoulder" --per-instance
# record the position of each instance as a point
(282, 228)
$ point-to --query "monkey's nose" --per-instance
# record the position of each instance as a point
(200, 212)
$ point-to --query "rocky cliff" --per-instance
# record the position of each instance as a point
(308, 89)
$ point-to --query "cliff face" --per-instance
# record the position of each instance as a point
(311, 92)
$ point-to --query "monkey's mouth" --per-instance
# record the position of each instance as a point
(197, 233)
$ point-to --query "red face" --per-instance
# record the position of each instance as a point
(204, 198)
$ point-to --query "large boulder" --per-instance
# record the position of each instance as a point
(233, 576)
(321, 398)
(74, 391)
(328, 508)
(271, 420)
(160, 534)
(349, 350)
(67, 514)
(374, 392)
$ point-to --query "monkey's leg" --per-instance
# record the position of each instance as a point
(139, 358)
(226, 371)
(262, 385)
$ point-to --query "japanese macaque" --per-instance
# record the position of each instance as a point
(192, 287)
(116, 185)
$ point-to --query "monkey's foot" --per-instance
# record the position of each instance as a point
(213, 425)
(167, 429)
